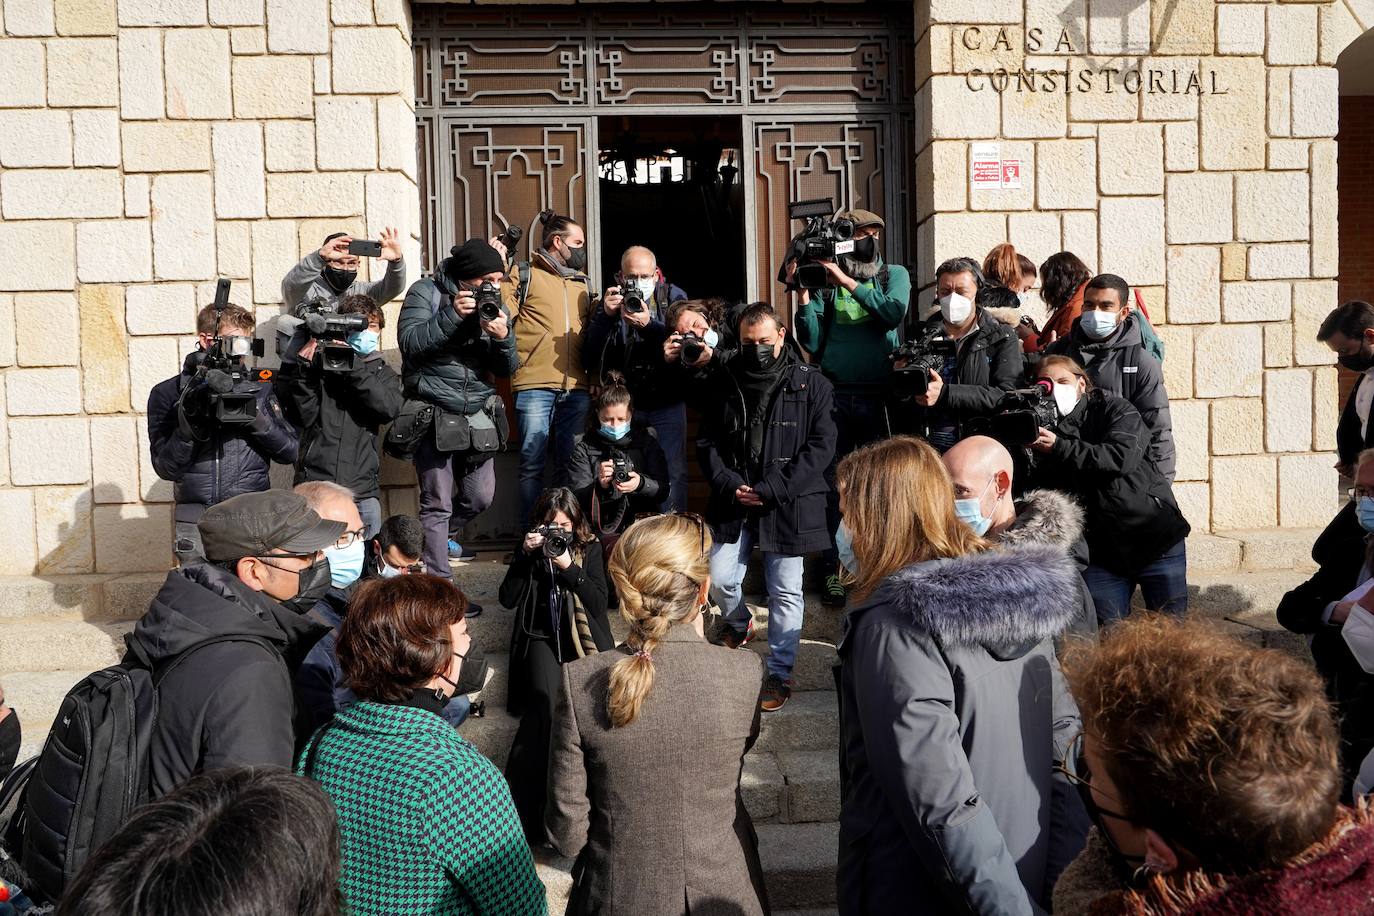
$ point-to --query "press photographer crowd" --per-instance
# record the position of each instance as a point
(1029, 720)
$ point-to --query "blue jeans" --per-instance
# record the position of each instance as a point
(670, 423)
(783, 577)
(541, 410)
(370, 511)
(1163, 585)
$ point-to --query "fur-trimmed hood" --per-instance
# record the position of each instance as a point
(1005, 600)
(1009, 317)
(1045, 518)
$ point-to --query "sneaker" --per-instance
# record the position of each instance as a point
(458, 553)
(833, 594)
(775, 693)
(731, 638)
(474, 610)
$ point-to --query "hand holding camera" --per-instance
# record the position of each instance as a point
(465, 303)
(611, 300)
(336, 249)
(1044, 441)
(694, 350)
(605, 474)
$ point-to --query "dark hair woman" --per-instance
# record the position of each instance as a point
(1098, 452)
(556, 584)
(1062, 278)
(609, 502)
(427, 822)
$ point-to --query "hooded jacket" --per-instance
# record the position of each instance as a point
(641, 447)
(637, 353)
(549, 325)
(232, 703)
(447, 360)
(1121, 365)
(233, 459)
(339, 414)
(952, 714)
(305, 283)
(988, 365)
(1099, 456)
(1048, 518)
(798, 445)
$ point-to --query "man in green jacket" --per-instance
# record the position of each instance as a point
(849, 330)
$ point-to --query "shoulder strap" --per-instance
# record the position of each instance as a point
(436, 299)
(522, 285)
(161, 671)
(308, 771)
(883, 276)
(1129, 380)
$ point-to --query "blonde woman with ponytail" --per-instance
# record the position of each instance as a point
(648, 743)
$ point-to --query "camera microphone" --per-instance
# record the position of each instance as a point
(219, 381)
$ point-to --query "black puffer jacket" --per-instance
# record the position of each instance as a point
(232, 703)
(338, 414)
(799, 442)
(1341, 552)
(446, 360)
(233, 460)
(637, 353)
(1100, 456)
(1121, 365)
(988, 365)
(584, 467)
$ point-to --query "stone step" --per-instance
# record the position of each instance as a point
(93, 597)
(1251, 596)
(46, 644)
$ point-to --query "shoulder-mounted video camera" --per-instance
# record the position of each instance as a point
(1019, 417)
(823, 239)
(321, 321)
(919, 357)
(221, 387)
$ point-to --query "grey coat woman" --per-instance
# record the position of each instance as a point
(952, 715)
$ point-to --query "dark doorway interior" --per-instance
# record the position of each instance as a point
(674, 184)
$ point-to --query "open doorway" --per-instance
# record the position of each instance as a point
(674, 184)
(1354, 190)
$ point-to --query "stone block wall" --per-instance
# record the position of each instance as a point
(148, 147)
(1219, 204)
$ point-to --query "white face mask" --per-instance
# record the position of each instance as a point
(1065, 398)
(1358, 633)
(955, 309)
(645, 285)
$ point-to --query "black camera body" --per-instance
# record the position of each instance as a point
(556, 540)
(921, 356)
(331, 329)
(692, 347)
(621, 467)
(1020, 416)
(823, 239)
(633, 300)
(221, 388)
(488, 297)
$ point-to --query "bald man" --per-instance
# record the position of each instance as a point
(982, 471)
(631, 343)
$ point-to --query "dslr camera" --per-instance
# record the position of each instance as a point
(922, 355)
(222, 389)
(1020, 415)
(823, 239)
(556, 540)
(633, 300)
(692, 347)
(621, 467)
(488, 297)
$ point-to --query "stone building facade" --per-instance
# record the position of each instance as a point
(150, 146)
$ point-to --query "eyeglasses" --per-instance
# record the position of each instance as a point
(699, 522)
(349, 538)
(1354, 493)
(1074, 767)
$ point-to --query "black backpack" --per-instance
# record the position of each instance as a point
(93, 770)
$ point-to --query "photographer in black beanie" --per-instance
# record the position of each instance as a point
(450, 351)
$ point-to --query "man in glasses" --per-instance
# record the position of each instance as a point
(225, 634)
(397, 549)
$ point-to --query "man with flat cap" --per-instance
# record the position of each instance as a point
(225, 636)
(449, 355)
(850, 328)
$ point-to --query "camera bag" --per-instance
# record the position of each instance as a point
(411, 424)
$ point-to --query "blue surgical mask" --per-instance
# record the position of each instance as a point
(710, 338)
(615, 431)
(1097, 324)
(346, 564)
(1364, 511)
(970, 512)
(364, 342)
(844, 546)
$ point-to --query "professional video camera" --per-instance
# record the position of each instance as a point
(1020, 415)
(621, 467)
(823, 239)
(215, 391)
(692, 347)
(919, 357)
(556, 540)
(320, 322)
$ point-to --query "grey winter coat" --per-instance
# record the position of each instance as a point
(952, 714)
(447, 360)
(305, 283)
(1049, 518)
(1120, 365)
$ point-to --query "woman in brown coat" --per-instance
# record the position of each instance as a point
(648, 744)
(1062, 278)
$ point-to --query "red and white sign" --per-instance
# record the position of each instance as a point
(1011, 174)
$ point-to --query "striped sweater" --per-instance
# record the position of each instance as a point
(427, 822)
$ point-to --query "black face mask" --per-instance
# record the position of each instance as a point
(313, 582)
(339, 280)
(759, 357)
(1360, 362)
(472, 677)
(577, 257)
(866, 250)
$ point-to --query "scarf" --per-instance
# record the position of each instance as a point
(757, 387)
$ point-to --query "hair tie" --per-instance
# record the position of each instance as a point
(647, 656)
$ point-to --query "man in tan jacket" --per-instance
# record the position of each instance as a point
(550, 386)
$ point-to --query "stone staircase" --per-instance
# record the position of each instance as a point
(55, 630)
